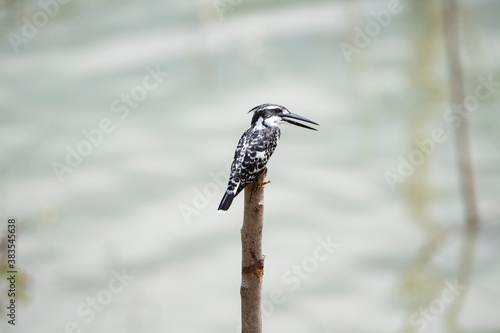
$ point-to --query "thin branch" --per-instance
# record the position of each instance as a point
(252, 258)
(451, 30)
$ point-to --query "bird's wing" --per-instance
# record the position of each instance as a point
(239, 156)
(261, 146)
(256, 151)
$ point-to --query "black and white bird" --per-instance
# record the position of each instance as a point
(256, 147)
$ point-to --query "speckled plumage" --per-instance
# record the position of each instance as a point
(255, 148)
(250, 158)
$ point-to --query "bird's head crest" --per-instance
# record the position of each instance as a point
(267, 110)
(274, 114)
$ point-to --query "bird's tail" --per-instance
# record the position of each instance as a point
(226, 201)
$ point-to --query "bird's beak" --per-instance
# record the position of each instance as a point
(296, 116)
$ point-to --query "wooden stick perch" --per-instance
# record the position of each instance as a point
(252, 258)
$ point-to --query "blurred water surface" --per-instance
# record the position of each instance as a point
(144, 199)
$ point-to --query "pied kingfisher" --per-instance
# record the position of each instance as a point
(256, 147)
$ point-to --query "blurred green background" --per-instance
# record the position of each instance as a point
(162, 89)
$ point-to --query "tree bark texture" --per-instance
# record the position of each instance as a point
(252, 258)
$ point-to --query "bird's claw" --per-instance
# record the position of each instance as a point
(261, 185)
